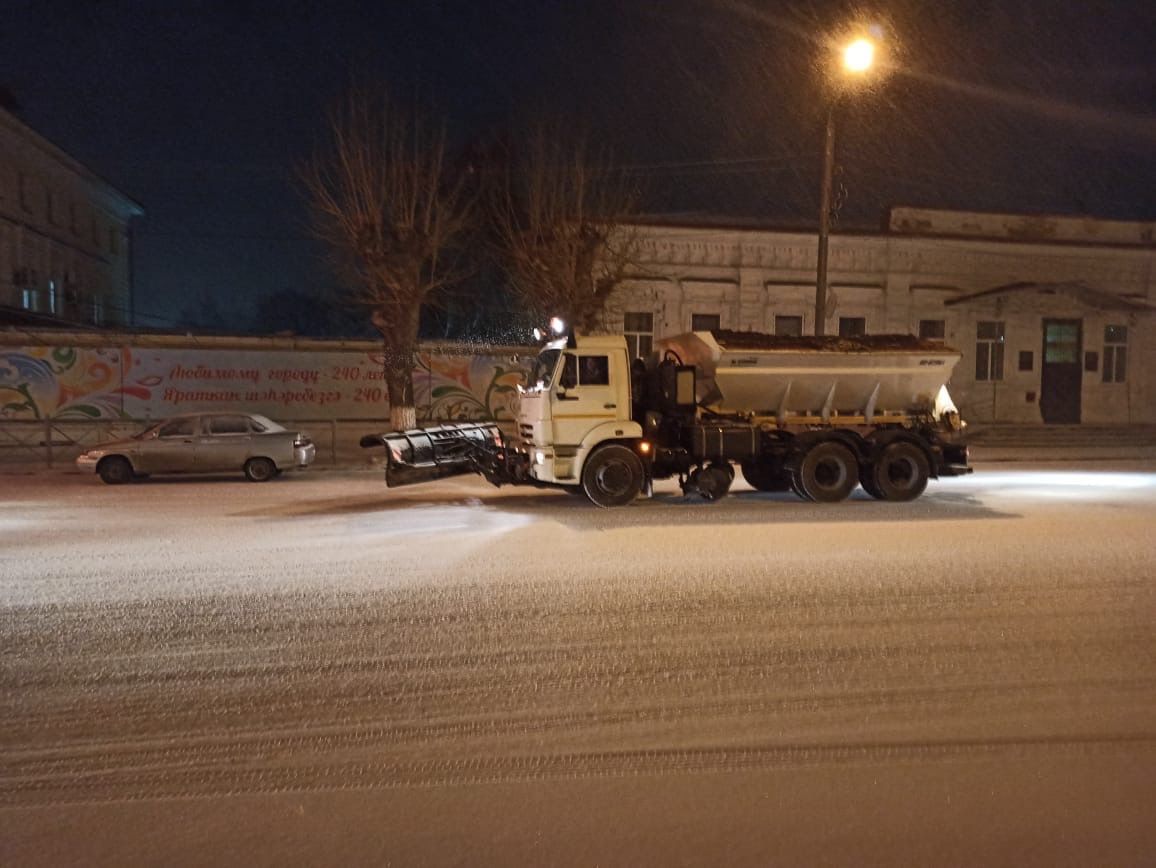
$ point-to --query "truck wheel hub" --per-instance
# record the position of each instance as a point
(614, 478)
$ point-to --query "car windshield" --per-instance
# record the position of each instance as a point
(543, 370)
(150, 431)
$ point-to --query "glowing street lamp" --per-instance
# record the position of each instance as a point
(858, 59)
(859, 56)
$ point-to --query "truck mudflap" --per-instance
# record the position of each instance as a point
(425, 454)
(954, 460)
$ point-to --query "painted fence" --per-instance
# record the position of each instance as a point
(151, 378)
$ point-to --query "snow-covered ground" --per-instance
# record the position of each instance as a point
(319, 670)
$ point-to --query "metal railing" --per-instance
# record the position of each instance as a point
(57, 442)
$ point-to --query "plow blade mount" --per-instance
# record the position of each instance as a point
(426, 454)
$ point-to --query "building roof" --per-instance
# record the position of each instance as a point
(128, 206)
(1086, 295)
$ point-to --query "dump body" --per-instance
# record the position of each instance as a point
(825, 377)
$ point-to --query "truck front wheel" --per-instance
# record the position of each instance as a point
(612, 476)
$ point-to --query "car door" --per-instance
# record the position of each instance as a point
(172, 447)
(224, 443)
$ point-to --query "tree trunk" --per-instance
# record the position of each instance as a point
(399, 385)
(399, 334)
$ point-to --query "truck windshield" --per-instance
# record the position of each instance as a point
(543, 370)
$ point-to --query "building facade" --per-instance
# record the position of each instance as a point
(65, 246)
(1054, 316)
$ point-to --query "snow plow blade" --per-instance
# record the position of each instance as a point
(426, 454)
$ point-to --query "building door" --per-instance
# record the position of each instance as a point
(1062, 372)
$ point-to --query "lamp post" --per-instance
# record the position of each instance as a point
(858, 57)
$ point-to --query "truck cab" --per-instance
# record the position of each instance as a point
(577, 401)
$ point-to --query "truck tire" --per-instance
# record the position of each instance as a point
(712, 482)
(612, 476)
(867, 481)
(828, 472)
(762, 476)
(901, 471)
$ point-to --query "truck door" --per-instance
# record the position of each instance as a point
(585, 396)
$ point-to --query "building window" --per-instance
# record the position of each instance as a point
(1115, 354)
(989, 342)
(25, 192)
(932, 329)
(639, 331)
(28, 298)
(704, 322)
(113, 241)
(789, 326)
(1027, 360)
(852, 326)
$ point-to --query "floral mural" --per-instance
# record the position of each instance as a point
(145, 383)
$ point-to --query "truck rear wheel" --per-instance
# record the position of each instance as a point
(901, 472)
(763, 476)
(612, 476)
(828, 472)
(867, 481)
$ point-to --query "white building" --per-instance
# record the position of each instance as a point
(64, 233)
(1053, 315)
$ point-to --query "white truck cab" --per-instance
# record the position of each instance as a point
(578, 399)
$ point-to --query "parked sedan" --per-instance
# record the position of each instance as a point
(202, 443)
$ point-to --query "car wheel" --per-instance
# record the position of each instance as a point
(115, 470)
(612, 476)
(260, 469)
(901, 472)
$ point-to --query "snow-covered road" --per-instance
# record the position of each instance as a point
(321, 671)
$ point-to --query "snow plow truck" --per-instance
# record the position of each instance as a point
(814, 415)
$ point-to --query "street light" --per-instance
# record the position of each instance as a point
(858, 59)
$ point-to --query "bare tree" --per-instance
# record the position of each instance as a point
(391, 211)
(560, 219)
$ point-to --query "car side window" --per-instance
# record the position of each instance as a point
(178, 428)
(228, 425)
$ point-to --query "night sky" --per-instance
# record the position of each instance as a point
(200, 109)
